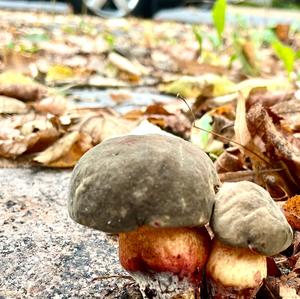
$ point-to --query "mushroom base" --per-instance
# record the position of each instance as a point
(218, 291)
(234, 272)
(165, 285)
(169, 261)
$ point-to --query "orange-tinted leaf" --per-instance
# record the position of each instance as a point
(282, 32)
(292, 211)
(59, 149)
(56, 105)
(69, 159)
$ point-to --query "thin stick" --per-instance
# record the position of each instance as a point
(112, 277)
(218, 135)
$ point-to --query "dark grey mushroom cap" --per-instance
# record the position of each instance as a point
(245, 215)
(131, 181)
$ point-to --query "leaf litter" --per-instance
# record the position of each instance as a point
(244, 107)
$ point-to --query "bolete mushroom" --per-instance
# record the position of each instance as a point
(248, 226)
(157, 193)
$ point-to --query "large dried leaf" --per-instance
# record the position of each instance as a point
(276, 147)
(66, 151)
(115, 126)
(12, 106)
(16, 85)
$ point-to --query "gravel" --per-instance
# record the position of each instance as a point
(43, 253)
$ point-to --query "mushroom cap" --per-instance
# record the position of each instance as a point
(130, 181)
(245, 215)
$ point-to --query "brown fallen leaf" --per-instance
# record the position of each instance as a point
(290, 286)
(289, 113)
(56, 105)
(292, 211)
(35, 135)
(12, 106)
(12, 148)
(66, 151)
(282, 32)
(125, 65)
(115, 126)
(276, 148)
(248, 51)
(267, 97)
(230, 160)
(120, 97)
(23, 92)
(105, 126)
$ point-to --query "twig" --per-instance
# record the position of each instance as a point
(112, 277)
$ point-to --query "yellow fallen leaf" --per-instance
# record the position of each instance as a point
(10, 77)
(12, 106)
(273, 84)
(192, 87)
(58, 73)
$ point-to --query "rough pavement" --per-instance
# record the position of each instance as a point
(43, 253)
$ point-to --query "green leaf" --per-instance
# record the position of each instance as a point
(36, 37)
(199, 38)
(203, 136)
(219, 16)
(286, 54)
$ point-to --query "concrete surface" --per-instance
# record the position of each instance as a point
(44, 254)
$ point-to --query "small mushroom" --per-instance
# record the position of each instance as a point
(248, 226)
(157, 193)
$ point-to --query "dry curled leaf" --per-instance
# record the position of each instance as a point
(66, 151)
(23, 92)
(276, 147)
(230, 160)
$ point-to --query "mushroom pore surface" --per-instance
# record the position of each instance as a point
(130, 181)
(245, 215)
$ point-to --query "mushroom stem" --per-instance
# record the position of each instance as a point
(166, 262)
(234, 272)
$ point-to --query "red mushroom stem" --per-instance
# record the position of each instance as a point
(166, 261)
